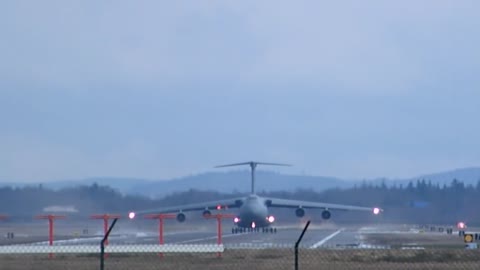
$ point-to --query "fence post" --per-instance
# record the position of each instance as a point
(102, 245)
(298, 242)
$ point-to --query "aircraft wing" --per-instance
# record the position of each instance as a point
(274, 202)
(229, 203)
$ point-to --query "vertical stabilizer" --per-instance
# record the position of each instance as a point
(253, 166)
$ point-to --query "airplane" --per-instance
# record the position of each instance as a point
(253, 211)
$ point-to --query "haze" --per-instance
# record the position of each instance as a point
(160, 89)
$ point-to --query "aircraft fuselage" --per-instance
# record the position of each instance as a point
(253, 213)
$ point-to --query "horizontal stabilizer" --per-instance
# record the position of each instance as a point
(252, 163)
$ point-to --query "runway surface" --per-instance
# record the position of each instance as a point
(284, 238)
(318, 235)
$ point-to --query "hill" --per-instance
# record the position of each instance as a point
(239, 181)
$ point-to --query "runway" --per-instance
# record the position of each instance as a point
(320, 234)
(284, 238)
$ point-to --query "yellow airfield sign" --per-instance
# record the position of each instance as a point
(468, 238)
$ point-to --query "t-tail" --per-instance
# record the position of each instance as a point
(253, 166)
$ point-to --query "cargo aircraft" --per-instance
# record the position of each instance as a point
(253, 211)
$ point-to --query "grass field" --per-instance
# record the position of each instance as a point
(257, 259)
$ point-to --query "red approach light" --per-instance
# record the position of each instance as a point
(461, 225)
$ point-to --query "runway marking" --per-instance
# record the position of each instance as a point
(207, 238)
(324, 240)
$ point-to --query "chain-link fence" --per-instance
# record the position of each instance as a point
(239, 257)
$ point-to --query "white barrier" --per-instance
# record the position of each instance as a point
(18, 249)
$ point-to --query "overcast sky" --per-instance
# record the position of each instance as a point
(160, 89)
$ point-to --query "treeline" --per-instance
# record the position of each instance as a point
(85, 200)
(416, 202)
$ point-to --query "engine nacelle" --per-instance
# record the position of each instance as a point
(300, 212)
(326, 214)
(238, 203)
(181, 217)
(206, 213)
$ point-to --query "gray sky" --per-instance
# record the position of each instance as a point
(161, 89)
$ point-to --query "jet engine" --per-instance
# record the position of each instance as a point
(181, 217)
(300, 212)
(238, 203)
(207, 213)
(326, 214)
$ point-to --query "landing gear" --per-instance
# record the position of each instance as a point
(236, 230)
(269, 230)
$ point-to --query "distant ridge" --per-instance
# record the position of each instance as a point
(231, 181)
(466, 175)
(238, 181)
